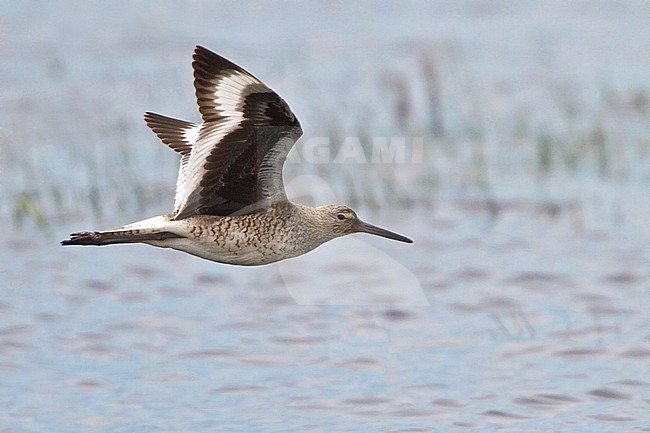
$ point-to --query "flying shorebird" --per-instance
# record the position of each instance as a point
(230, 204)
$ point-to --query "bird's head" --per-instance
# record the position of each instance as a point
(341, 220)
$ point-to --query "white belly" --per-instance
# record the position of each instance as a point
(245, 255)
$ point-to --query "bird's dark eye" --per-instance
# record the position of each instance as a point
(340, 216)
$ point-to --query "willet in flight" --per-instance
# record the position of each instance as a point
(230, 204)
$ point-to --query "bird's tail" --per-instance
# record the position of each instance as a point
(117, 237)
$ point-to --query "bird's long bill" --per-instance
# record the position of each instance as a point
(374, 230)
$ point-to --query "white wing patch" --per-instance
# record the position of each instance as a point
(192, 134)
(231, 91)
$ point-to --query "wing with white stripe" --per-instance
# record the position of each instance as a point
(235, 165)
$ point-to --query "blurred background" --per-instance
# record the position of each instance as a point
(521, 306)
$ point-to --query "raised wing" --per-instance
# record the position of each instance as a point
(178, 135)
(235, 165)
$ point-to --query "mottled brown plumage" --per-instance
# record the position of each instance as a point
(230, 204)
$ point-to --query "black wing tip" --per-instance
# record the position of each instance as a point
(211, 63)
(170, 131)
(203, 54)
(148, 117)
(154, 119)
(199, 49)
